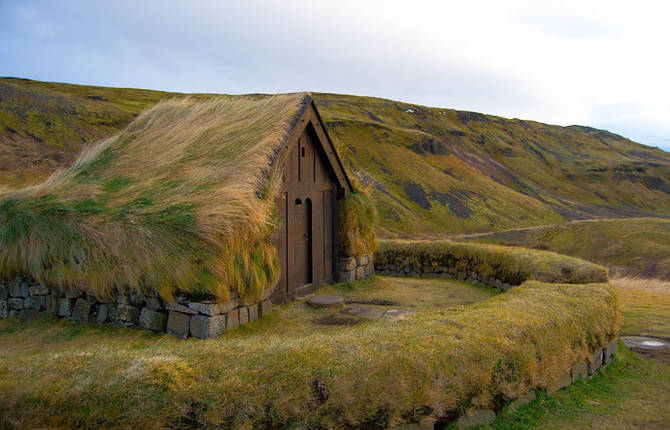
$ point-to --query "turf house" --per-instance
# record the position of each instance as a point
(195, 219)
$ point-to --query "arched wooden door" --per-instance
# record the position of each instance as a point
(307, 207)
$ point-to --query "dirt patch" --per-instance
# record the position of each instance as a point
(416, 194)
(649, 347)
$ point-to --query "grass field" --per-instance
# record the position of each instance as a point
(291, 367)
(638, 247)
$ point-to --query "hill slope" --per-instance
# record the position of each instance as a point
(431, 171)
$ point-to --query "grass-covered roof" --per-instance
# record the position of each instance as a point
(182, 199)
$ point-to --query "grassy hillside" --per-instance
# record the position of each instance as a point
(635, 247)
(45, 125)
(431, 171)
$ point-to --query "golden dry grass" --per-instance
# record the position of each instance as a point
(645, 306)
(183, 199)
(280, 371)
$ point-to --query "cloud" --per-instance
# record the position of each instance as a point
(558, 63)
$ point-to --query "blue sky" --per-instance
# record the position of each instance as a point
(597, 63)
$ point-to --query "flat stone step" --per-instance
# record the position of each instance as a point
(325, 301)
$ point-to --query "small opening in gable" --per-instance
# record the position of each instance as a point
(303, 151)
(298, 202)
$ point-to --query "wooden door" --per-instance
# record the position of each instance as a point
(300, 242)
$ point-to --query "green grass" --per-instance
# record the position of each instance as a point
(286, 369)
(631, 393)
(631, 247)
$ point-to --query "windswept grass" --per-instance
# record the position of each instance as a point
(645, 306)
(356, 223)
(280, 371)
(182, 199)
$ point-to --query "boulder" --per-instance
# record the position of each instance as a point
(244, 315)
(325, 301)
(579, 371)
(562, 382)
(595, 362)
(38, 290)
(4, 311)
(37, 303)
(232, 320)
(152, 320)
(128, 313)
(4, 292)
(178, 307)
(64, 307)
(362, 260)
(178, 324)
(360, 273)
(609, 351)
(81, 310)
(476, 417)
(212, 308)
(18, 288)
(346, 276)
(101, 313)
(265, 307)
(204, 326)
(253, 312)
(15, 303)
(51, 304)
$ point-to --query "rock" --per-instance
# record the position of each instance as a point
(4, 311)
(128, 313)
(369, 270)
(325, 301)
(112, 311)
(393, 313)
(346, 276)
(51, 302)
(73, 294)
(579, 371)
(152, 320)
(4, 292)
(562, 382)
(232, 320)
(476, 417)
(243, 315)
(214, 308)
(178, 324)
(362, 260)
(346, 264)
(101, 313)
(82, 310)
(155, 304)
(204, 327)
(38, 290)
(18, 288)
(178, 307)
(265, 307)
(360, 273)
(64, 307)
(37, 303)
(365, 312)
(595, 362)
(506, 286)
(253, 312)
(499, 284)
(15, 303)
(523, 400)
(609, 351)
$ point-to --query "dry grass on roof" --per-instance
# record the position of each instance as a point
(183, 199)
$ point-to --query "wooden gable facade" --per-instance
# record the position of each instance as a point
(312, 181)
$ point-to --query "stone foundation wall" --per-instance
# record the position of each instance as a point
(581, 370)
(444, 272)
(351, 269)
(184, 318)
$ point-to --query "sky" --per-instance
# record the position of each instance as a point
(604, 64)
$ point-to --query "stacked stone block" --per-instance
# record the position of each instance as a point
(351, 269)
(183, 318)
(444, 272)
